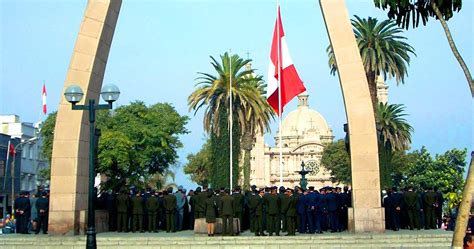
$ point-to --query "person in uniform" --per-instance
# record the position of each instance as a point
(42, 207)
(284, 203)
(238, 205)
(272, 202)
(256, 208)
(396, 201)
(192, 208)
(311, 202)
(332, 209)
(137, 212)
(439, 207)
(122, 202)
(22, 210)
(291, 212)
(411, 203)
(301, 210)
(429, 201)
(322, 210)
(170, 208)
(201, 202)
(152, 205)
(180, 202)
(210, 207)
(227, 212)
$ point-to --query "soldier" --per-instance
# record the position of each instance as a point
(227, 212)
(218, 193)
(152, 205)
(22, 210)
(42, 207)
(284, 203)
(137, 212)
(256, 208)
(429, 201)
(238, 205)
(201, 201)
(273, 208)
(122, 203)
(291, 212)
(170, 208)
(411, 203)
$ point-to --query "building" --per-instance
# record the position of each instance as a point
(304, 135)
(6, 174)
(31, 160)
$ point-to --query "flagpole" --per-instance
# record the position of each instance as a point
(230, 118)
(6, 167)
(279, 94)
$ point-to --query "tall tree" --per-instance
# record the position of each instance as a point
(394, 134)
(199, 165)
(383, 51)
(213, 92)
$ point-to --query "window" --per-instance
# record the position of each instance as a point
(31, 150)
(2, 168)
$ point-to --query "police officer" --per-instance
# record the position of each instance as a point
(42, 207)
(332, 209)
(22, 210)
(301, 210)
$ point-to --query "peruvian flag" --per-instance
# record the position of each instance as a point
(11, 149)
(290, 83)
(45, 110)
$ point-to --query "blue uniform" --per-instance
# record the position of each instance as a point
(301, 210)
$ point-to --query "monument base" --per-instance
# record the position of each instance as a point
(362, 220)
(64, 223)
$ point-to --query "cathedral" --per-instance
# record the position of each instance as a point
(304, 135)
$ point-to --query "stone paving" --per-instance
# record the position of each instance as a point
(188, 240)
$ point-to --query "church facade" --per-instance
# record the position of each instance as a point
(304, 135)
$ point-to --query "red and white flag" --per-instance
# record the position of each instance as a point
(45, 110)
(290, 83)
(11, 150)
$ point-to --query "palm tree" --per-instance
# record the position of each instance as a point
(163, 180)
(394, 134)
(394, 130)
(250, 109)
(383, 51)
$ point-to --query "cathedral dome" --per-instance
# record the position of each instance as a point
(305, 122)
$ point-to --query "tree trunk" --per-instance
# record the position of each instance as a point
(247, 140)
(372, 89)
(453, 47)
(464, 208)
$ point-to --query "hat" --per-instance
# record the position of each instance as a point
(180, 187)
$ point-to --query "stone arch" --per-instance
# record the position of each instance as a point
(70, 147)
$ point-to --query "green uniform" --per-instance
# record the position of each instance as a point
(411, 204)
(284, 205)
(272, 202)
(169, 204)
(227, 212)
(200, 204)
(122, 201)
(238, 207)
(218, 200)
(137, 213)
(152, 205)
(210, 210)
(429, 201)
(255, 204)
(291, 213)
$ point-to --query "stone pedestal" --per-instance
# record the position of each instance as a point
(367, 214)
(69, 163)
(101, 221)
(200, 226)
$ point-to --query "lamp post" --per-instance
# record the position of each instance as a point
(29, 141)
(73, 95)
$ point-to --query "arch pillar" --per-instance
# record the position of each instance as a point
(69, 163)
(367, 215)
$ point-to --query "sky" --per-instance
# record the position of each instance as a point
(159, 46)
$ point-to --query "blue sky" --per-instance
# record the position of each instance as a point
(159, 46)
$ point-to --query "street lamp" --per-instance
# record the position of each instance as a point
(73, 95)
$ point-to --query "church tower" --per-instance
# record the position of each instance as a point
(382, 90)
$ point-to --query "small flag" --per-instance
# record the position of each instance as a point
(45, 110)
(290, 83)
(11, 150)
